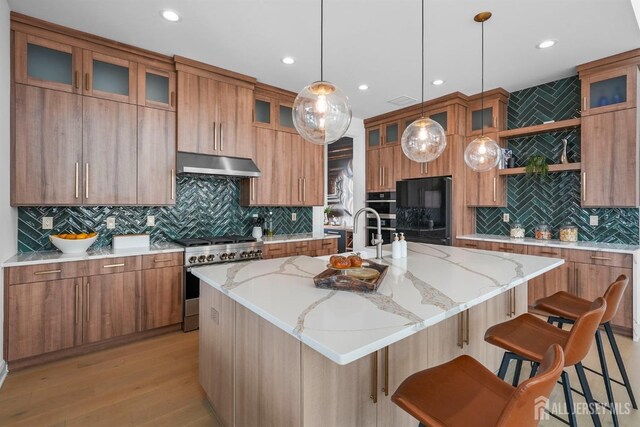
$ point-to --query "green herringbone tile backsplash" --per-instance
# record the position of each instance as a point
(554, 200)
(205, 206)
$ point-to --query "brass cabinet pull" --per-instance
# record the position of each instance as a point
(461, 330)
(549, 253)
(113, 265)
(252, 189)
(495, 121)
(426, 168)
(173, 184)
(221, 138)
(603, 258)
(380, 177)
(76, 77)
(88, 302)
(173, 99)
(495, 183)
(584, 186)
(509, 310)
(504, 248)
(160, 260)
(584, 103)
(77, 180)
(304, 189)
(374, 377)
(466, 327)
(215, 137)
(385, 389)
(86, 81)
(513, 301)
(86, 181)
(77, 303)
(40, 273)
(471, 245)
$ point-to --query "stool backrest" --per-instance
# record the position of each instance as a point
(613, 296)
(583, 332)
(526, 406)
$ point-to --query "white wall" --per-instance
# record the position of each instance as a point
(8, 215)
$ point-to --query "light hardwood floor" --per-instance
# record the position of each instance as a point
(147, 383)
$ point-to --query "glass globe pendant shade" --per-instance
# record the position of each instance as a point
(423, 140)
(321, 113)
(482, 154)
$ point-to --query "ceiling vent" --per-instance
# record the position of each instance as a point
(402, 101)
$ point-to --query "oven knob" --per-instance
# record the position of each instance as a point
(210, 258)
(202, 258)
(223, 257)
(244, 255)
(258, 253)
(232, 255)
(192, 259)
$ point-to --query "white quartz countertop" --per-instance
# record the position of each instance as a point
(285, 238)
(430, 285)
(30, 258)
(585, 246)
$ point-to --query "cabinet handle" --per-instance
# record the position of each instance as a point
(584, 103)
(86, 82)
(385, 389)
(603, 258)
(113, 265)
(513, 301)
(304, 189)
(509, 310)
(380, 177)
(160, 260)
(252, 189)
(495, 121)
(173, 184)
(173, 99)
(461, 330)
(426, 168)
(76, 77)
(221, 138)
(549, 253)
(215, 137)
(495, 190)
(86, 181)
(471, 245)
(504, 248)
(40, 273)
(374, 377)
(466, 327)
(77, 303)
(87, 300)
(584, 186)
(384, 177)
(77, 180)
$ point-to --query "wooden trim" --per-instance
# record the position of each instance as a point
(41, 27)
(272, 90)
(621, 59)
(538, 129)
(89, 348)
(12, 133)
(497, 93)
(186, 64)
(441, 102)
(552, 168)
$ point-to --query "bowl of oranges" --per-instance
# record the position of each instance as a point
(73, 243)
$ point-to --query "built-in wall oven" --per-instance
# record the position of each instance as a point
(385, 204)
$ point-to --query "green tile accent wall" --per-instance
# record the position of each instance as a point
(554, 200)
(205, 206)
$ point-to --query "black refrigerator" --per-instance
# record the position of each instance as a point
(423, 210)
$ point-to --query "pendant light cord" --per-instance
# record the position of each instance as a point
(482, 84)
(422, 69)
(321, 40)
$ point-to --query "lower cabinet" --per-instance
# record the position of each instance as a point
(311, 248)
(161, 297)
(255, 373)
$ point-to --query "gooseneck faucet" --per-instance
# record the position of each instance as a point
(377, 240)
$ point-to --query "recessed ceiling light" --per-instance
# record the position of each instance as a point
(288, 60)
(170, 15)
(437, 82)
(363, 87)
(546, 44)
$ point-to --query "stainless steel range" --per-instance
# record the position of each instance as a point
(210, 250)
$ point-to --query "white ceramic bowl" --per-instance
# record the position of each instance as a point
(70, 246)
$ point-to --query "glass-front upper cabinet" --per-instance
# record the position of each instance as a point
(262, 112)
(156, 88)
(109, 77)
(45, 63)
(374, 137)
(285, 117)
(391, 133)
(609, 90)
(479, 119)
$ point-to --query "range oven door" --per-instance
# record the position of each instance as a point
(191, 308)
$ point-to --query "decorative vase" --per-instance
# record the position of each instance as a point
(563, 157)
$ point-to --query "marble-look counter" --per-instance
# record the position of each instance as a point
(432, 284)
(585, 246)
(286, 238)
(31, 258)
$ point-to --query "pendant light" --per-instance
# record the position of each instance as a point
(424, 139)
(483, 153)
(321, 111)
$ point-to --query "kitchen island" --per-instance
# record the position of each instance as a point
(276, 350)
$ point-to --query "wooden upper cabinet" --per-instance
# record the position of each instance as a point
(109, 152)
(492, 118)
(486, 189)
(260, 191)
(156, 157)
(383, 168)
(109, 77)
(156, 88)
(384, 134)
(307, 175)
(233, 118)
(610, 90)
(609, 150)
(46, 63)
(47, 148)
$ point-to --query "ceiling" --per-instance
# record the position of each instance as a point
(376, 42)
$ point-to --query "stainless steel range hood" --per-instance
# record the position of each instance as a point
(216, 165)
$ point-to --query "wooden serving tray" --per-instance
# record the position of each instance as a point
(341, 280)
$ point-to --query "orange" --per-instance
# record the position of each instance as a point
(82, 236)
(92, 234)
(71, 236)
(62, 236)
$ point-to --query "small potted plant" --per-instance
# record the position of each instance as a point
(327, 211)
(537, 165)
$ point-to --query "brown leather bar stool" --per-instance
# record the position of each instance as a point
(464, 393)
(527, 337)
(566, 308)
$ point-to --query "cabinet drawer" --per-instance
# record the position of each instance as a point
(329, 244)
(274, 250)
(162, 260)
(296, 248)
(509, 248)
(475, 244)
(611, 259)
(113, 265)
(46, 272)
(547, 252)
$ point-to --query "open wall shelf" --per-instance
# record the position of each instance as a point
(538, 129)
(552, 168)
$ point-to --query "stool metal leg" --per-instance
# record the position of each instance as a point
(516, 373)
(566, 387)
(534, 369)
(587, 395)
(502, 372)
(619, 361)
(607, 380)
